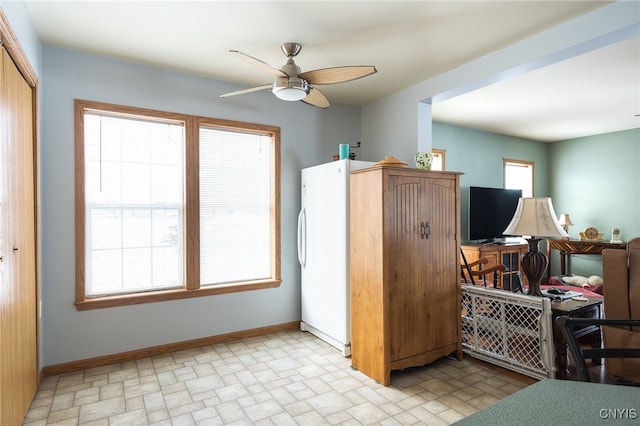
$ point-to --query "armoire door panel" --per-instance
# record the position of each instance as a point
(406, 239)
(441, 263)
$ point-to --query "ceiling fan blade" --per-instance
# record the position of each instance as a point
(276, 72)
(317, 99)
(337, 74)
(242, 92)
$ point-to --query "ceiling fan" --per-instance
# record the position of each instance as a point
(292, 85)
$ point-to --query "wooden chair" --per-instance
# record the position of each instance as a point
(476, 272)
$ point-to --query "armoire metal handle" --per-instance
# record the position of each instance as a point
(425, 230)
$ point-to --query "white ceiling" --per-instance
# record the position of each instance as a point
(408, 41)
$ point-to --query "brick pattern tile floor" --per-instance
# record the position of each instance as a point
(287, 378)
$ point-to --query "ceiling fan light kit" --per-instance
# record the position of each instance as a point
(290, 89)
(292, 85)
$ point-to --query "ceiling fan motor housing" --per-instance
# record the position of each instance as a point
(290, 88)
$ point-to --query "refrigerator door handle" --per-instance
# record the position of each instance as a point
(302, 237)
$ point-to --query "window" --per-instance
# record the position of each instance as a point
(133, 204)
(171, 206)
(438, 159)
(235, 232)
(518, 174)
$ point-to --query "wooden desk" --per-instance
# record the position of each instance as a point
(592, 308)
(570, 247)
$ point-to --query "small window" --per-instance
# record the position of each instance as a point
(518, 174)
(170, 206)
(438, 159)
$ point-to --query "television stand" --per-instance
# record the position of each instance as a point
(506, 254)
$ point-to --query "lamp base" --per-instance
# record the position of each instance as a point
(534, 265)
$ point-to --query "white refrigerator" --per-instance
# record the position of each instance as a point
(323, 251)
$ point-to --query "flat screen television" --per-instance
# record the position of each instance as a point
(490, 211)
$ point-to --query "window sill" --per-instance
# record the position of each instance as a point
(165, 295)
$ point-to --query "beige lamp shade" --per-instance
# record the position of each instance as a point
(535, 217)
(565, 219)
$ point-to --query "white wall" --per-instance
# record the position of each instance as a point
(308, 136)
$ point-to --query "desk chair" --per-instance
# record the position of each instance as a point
(579, 354)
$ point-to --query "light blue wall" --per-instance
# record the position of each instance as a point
(395, 125)
(596, 180)
(308, 136)
(479, 156)
(18, 16)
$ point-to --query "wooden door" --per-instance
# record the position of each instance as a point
(421, 234)
(18, 298)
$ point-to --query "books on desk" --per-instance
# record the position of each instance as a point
(564, 296)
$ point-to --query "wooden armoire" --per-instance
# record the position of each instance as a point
(18, 238)
(405, 285)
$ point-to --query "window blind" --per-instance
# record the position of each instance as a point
(235, 211)
(134, 204)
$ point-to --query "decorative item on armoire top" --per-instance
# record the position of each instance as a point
(565, 221)
(352, 155)
(536, 218)
(424, 160)
(615, 236)
(590, 233)
(390, 161)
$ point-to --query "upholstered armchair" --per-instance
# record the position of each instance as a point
(621, 273)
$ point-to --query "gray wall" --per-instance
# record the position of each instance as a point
(308, 136)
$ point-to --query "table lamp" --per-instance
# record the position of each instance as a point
(535, 218)
(565, 221)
